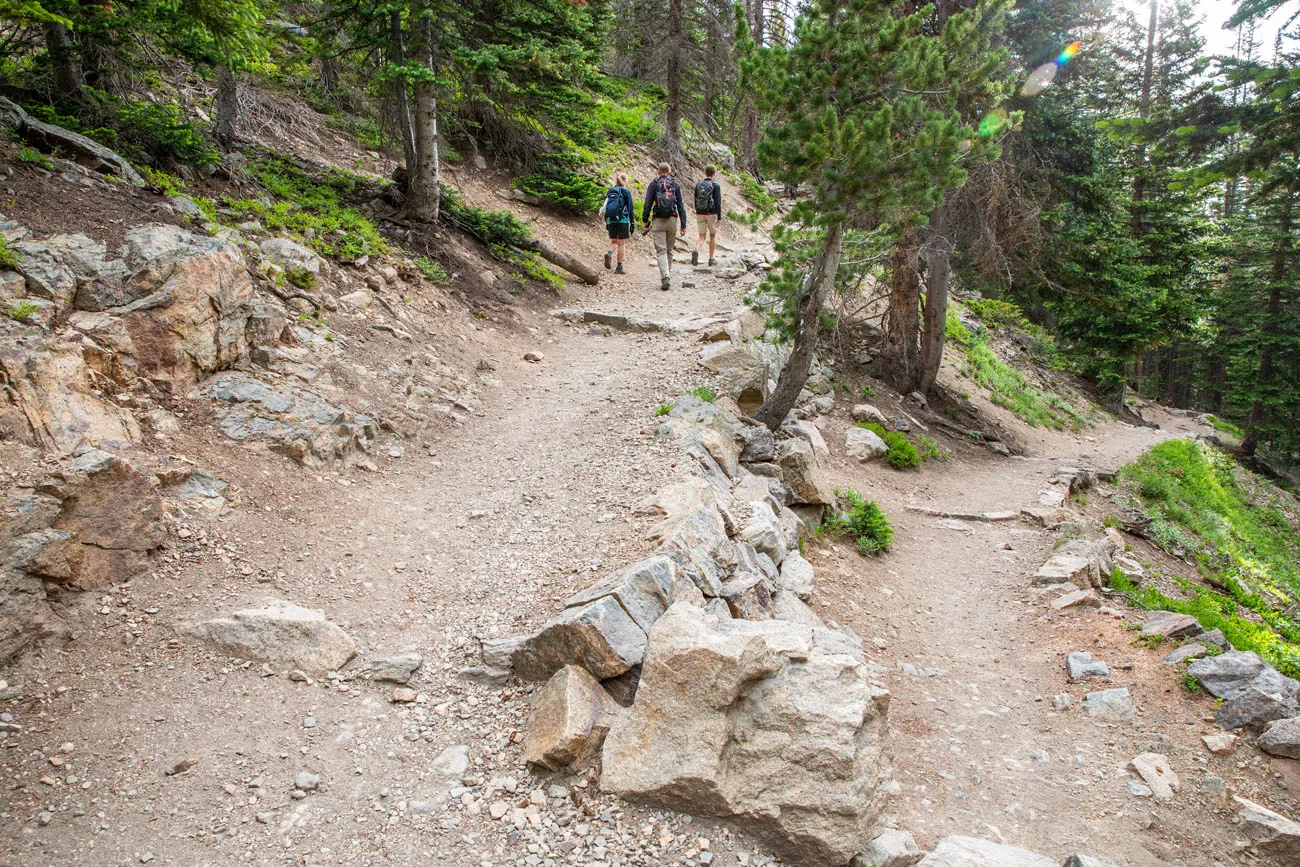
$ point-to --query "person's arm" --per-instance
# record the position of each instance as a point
(631, 206)
(717, 198)
(681, 206)
(649, 201)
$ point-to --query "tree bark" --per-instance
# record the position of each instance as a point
(564, 260)
(401, 98)
(750, 130)
(424, 195)
(1264, 377)
(903, 320)
(65, 60)
(673, 122)
(223, 129)
(795, 372)
(938, 261)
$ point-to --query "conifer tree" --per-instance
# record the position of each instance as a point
(868, 101)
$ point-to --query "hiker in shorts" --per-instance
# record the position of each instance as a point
(617, 211)
(708, 213)
(663, 199)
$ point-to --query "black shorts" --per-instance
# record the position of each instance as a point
(619, 231)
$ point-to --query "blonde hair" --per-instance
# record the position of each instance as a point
(620, 179)
(665, 169)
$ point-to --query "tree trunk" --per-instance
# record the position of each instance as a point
(401, 98)
(1281, 261)
(673, 122)
(424, 195)
(903, 320)
(938, 260)
(795, 372)
(750, 124)
(65, 60)
(564, 260)
(223, 129)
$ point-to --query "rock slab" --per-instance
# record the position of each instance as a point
(1154, 770)
(1282, 738)
(1270, 832)
(971, 852)
(277, 632)
(570, 718)
(774, 726)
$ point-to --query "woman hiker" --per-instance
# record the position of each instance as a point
(617, 211)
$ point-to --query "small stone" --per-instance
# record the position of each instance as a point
(307, 781)
(146, 857)
(1063, 701)
(1080, 664)
(264, 818)
(533, 356)
(1111, 705)
(453, 761)
(45, 818)
(299, 676)
(498, 809)
(1220, 743)
(403, 695)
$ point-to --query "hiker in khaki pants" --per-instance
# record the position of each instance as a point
(663, 200)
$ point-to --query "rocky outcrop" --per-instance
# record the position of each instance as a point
(1271, 833)
(774, 726)
(91, 522)
(277, 632)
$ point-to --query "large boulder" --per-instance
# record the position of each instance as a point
(277, 632)
(801, 474)
(600, 636)
(1270, 832)
(290, 255)
(1282, 738)
(863, 444)
(971, 852)
(1230, 674)
(774, 726)
(570, 717)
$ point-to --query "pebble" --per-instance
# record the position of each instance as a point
(45, 818)
(307, 781)
(403, 695)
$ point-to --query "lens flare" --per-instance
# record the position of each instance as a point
(993, 123)
(1067, 54)
(1043, 76)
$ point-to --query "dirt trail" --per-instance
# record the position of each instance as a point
(481, 533)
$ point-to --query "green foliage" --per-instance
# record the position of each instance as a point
(1008, 388)
(162, 182)
(828, 321)
(499, 231)
(1223, 426)
(560, 181)
(143, 130)
(763, 202)
(930, 450)
(1233, 526)
(902, 455)
(663, 409)
(532, 267)
(431, 269)
(9, 258)
(300, 277)
(34, 157)
(997, 314)
(864, 520)
(704, 393)
(22, 311)
(955, 333)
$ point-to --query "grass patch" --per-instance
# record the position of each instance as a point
(34, 157)
(1223, 426)
(9, 258)
(22, 311)
(301, 277)
(864, 520)
(431, 269)
(763, 202)
(704, 393)
(663, 409)
(1242, 534)
(902, 454)
(162, 182)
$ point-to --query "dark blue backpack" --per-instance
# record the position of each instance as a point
(616, 206)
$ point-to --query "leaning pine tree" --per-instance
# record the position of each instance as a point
(869, 107)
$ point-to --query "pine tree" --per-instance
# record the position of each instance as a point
(868, 102)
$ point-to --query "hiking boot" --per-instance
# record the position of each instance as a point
(619, 269)
(666, 284)
(713, 262)
(695, 257)
(609, 257)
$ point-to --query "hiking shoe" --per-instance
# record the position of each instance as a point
(619, 269)
(695, 257)
(609, 257)
(666, 284)
(713, 262)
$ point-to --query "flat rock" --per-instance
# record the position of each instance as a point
(1077, 599)
(1169, 624)
(1080, 664)
(1194, 650)
(868, 413)
(773, 726)
(1282, 738)
(1229, 674)
(1111, 705)
(1270, 832)
(1066, 569)
(863, 444)
(570, 717)
(395, 669)
(277, 632)
(970, 852)
(452, 762)
(1254, 709)
(890, 848)
(1220, 743)
(1154, 770)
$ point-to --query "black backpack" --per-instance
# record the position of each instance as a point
(705, 201)
(616, 206)
(667, 195)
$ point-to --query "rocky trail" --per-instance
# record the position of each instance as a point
(132, 743)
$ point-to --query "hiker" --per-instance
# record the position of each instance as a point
(708, 213)
(617, 211)
(663, 198)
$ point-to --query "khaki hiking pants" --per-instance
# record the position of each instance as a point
(665, 231)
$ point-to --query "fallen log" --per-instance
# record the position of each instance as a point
(564, 260)
(53, 137)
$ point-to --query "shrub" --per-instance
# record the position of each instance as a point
(995, 313)
(562, 180)
(300, 277)
(1223, 426)
(143, 131)
(22, 311)
(162, 182)
(703, 392)
(866, 522)
(930, 450)
(902, 455)
(31, 155)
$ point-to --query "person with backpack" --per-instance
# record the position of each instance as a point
(663, 199)
(617, 211)
(708, 213)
